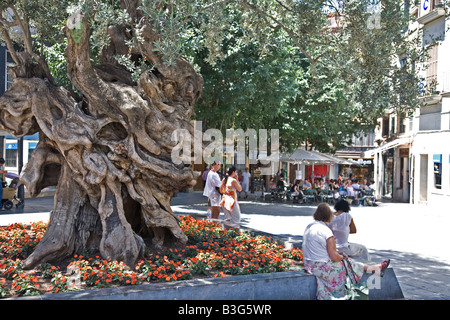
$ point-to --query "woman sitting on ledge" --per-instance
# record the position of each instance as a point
(342, 225)
(322, 260)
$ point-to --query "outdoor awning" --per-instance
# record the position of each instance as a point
(386, 146)
(312, 157)
(32, 145)
(335, 160)
(34, 136)
(301, 156)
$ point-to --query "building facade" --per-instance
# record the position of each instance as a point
(412, 162)
(391, 159)
(431, 148)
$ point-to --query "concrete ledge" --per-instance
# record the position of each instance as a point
(292, 285)
(385, 288)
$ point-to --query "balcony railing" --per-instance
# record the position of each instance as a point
(443, 84)
(436, 84)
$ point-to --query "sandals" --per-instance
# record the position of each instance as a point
(384, 266)
(381, 268)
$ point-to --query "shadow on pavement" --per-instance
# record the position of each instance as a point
(419, 277)
(32, 205)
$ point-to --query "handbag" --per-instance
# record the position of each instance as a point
(354, 290)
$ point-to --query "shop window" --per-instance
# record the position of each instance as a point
(385, 127)
(9, 63)
(11, 154)
(11, 158)
(393, 123)
(437, 159)
(402, 126)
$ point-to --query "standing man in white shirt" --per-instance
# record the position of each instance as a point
(211, 189)
(246, 182)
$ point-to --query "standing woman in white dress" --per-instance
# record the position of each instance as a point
(342, 225)
(229, 188)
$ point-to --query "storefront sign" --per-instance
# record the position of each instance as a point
(437, 158)
(363, 162)
(425, 7)
(11, 146)
(403, 152)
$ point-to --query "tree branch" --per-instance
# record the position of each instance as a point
(289, 31)
(27, 40)
(207, 7)
(9, 44)
(283, 6)
(79, 67)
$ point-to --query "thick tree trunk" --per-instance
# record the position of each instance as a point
(74, 224)
(107, 150)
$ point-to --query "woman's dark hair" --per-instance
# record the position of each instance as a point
(229, 172)
(323, 213)
(342, 205)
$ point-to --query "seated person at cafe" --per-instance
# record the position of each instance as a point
(306, 184)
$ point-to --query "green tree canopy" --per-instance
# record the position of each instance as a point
(294, 65)
(248, 89)
(319, 71)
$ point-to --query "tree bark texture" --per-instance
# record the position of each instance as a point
(108, 149)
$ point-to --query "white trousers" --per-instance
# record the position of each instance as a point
(356, 251)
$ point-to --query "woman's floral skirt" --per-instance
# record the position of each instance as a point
(331, 277)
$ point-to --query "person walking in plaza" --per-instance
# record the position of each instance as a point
(322, 259)
(342, 225)
(246, 182)
(229, 188)
(212, 186)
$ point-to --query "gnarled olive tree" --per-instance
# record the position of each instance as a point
(108, 148)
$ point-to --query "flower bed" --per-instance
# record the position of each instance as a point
(211, 251)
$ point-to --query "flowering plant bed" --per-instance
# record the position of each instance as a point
(211, 251)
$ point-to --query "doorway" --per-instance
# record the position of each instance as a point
(423, 196)
(388, 179)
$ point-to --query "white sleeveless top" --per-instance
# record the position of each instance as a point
(340, 225)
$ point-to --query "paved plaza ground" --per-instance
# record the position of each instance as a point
(414, 237)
